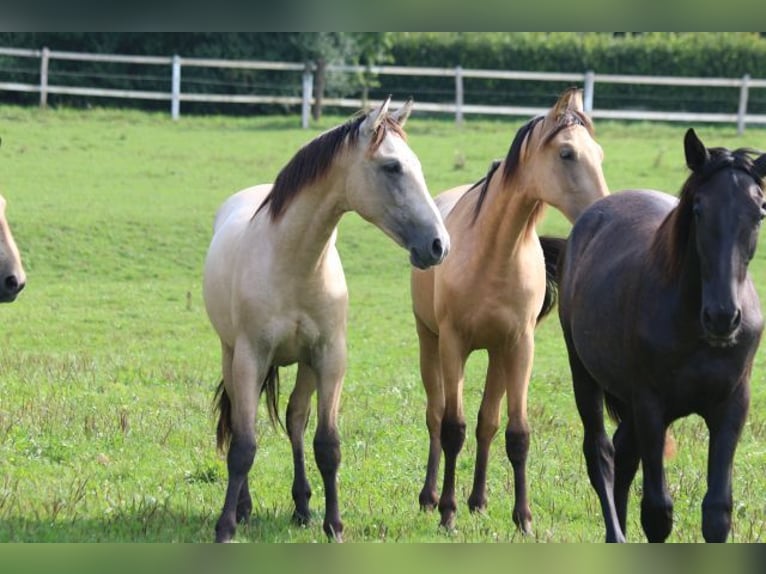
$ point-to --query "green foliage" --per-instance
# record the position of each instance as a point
(348, 48)
(108, 364)
(729, 55)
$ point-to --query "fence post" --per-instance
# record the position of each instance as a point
(45, 57)
(175, 89)
(459, 95)
(742, 104)
(307, 94)
(590, 85)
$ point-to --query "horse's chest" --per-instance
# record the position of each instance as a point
(697, 377)
(293, 338)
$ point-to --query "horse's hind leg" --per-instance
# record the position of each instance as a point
(298, 409)
(597, 447)
(626, 459)
(242, 388)
(725, 425)
(430, 373)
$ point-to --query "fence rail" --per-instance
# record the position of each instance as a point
(301, 75)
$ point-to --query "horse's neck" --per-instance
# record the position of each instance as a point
(508, 217)
(306, 229)
(681, 269)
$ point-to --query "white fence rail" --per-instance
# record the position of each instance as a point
(458, 108)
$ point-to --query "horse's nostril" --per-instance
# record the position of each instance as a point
(436, 248)
(11, 283)
(737, 319)
(707, 321)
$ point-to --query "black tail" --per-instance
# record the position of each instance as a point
(271, 386)
(223, 406)
(553, 248)
(223, 430)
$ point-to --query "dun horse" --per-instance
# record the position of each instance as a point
(276, 294)
(12, 276)
(661, 319)
(489, 294)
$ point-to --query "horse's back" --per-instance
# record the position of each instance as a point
(242, 204)
(447, 200)
(230, 223)
(626, 219)
(606, 257)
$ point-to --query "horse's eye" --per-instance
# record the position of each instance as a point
(392, 167)
(763, 211)
(697, 210)
(566, 153)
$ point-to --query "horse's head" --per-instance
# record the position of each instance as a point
(564, 159)
(12, 276)
(724, 202)
(385, 185)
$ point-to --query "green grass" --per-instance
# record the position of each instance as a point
(108, 364)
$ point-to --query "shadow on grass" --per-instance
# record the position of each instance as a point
(162, 526)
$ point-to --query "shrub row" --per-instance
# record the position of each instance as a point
(729, 55)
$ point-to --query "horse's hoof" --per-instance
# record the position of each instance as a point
(523, 523)
(334, 532)
(428, 500)
(243, 514)
(447, 521)
(301, 518)
(223, 533)
(477, 504)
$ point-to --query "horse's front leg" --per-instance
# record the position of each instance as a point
(626, 459)
(656, 505)
(452, 356)
(487, 425)
(725, 425)
(597, 448)
(330, 367)
(246, 373)
(431, 375)
(298, 409)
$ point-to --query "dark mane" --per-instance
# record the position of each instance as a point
(312, 162)
(672, 237)
(569, 118)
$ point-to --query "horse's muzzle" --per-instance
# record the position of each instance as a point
(10, 287)
(721, 325)
(431, 254)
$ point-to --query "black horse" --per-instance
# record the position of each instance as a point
(661, 320)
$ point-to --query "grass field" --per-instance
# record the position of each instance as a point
(108, 364)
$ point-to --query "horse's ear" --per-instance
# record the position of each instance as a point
(373, 120)
(759, 165)
(571, 99)
(400, 116)
(696, 152)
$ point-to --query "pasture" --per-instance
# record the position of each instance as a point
(108, 363)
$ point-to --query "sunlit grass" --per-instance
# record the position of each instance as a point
(108, 364)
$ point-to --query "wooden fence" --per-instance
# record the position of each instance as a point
(302, 75)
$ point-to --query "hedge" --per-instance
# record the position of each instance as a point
(729, 55)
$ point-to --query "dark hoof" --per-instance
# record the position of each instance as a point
(477, 503)
(428, 500)
(334, 532)
(523, 521)
(243, 513)
(447, 521)
(224, 532)
(301, 518)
